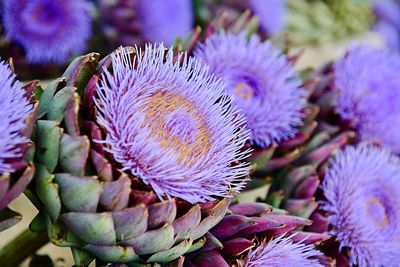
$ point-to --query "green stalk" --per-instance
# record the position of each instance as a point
(23, 246)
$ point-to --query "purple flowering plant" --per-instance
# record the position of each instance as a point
(366, 88)
(178, 133)
(16, 125)
(139, 157)
(262, 82)
(281, 252)
(130, 22)
(362, 188)
(48, 30)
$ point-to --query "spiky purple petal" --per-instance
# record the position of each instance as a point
(367, 86)
(163, 21)
(48, 30)
(271, 14)
(282, 252)
(264, 85)
(362, 190)
(15, 108)
(171, 125)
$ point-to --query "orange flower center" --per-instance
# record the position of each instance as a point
(176, 123)
(244, 91)
(377, 212)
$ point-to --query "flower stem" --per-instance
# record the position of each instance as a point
(22, 247)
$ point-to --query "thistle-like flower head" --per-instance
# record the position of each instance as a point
(362, 190)
(169, 123)
(367, 86)
(282, 252)
(264, 85)
(15, 108)
(271, 14)
(163, 21)
(48, 30)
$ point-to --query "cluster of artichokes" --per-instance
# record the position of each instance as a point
(141, 156)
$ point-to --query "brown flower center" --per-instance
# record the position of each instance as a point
(244, 90)
(176, 123)
(377, 211)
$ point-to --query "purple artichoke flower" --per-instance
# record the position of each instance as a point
(390, 34)
(265, 86)
(15, 109)
(17, 118)
(48, 30)
(367, 89)
(388, 10)
(169, 123)
(271, 13)
(282, 252)
(362, 190)
(163, 21)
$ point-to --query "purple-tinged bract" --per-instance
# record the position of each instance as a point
(15, 108)
(367, 89)
(48, 30)
(171, 125)
(362, 190)
(264, 85)
(163, 21)
(271, 14)
(282, 252)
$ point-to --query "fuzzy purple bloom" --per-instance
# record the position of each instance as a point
(163, 21)
(48, 30)
(271, 13)
(171, 125)
(390, 34)
(367, 88)
(264, 85)
(362, 190)
(282, 252)
(388, 25)
(389, 11)
(15, 108)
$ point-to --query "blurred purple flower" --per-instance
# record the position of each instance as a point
(389, 11)
(265, 86)
(48, 30)
(388, 25)
(163, 21)
(390, 34)
(282, 252)
(271, 13)
(15, 108)
(362, 190)
(367, 86)
(171, 125)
